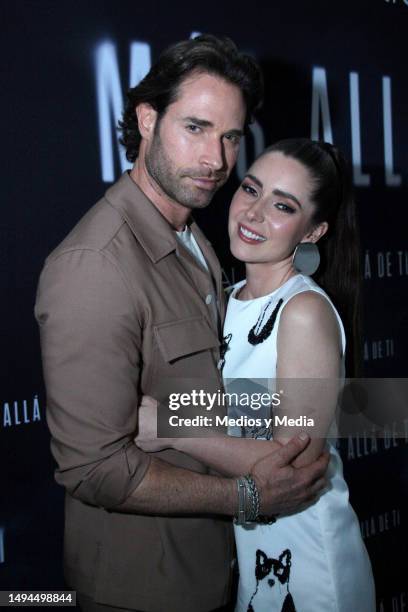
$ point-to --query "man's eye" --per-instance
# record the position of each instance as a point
(193, 128)
(284, 207)
(233, 138)
(249, 189)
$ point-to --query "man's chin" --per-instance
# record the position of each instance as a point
(199, 200)
(200, 203)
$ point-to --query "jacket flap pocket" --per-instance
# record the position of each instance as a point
(185, 337)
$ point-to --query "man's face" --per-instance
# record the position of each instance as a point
(195, 144)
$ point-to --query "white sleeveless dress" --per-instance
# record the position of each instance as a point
(314, 560)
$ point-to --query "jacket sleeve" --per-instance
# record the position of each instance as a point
(90, 342)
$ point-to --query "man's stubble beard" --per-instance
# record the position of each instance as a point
(160, 169)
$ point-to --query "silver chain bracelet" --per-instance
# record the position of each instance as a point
(249, 505)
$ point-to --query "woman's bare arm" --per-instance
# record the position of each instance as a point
(226, 454)
(308, 367)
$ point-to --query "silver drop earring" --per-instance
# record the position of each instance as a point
(306, 258)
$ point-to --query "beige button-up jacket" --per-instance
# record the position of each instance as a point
(122, 312)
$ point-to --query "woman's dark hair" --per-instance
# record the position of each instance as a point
(339, 271)
(205, 53)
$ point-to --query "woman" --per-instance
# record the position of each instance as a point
(281, 325)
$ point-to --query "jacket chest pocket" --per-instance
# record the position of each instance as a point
(189, 339)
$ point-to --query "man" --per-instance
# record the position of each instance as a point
(128, 304)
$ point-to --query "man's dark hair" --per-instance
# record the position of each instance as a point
(204, 54)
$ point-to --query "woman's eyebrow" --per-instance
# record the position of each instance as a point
(285, 194)
(255, 179)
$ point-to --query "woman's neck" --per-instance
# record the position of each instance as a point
(262, 279)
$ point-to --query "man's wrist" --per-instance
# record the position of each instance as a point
(248, 508)
(249, 502)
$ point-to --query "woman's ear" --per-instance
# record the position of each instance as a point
(317, 232)
(146, 119)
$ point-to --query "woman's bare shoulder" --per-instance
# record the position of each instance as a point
(308, 307)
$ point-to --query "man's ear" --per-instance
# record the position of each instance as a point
(146, 119)
(316, 233)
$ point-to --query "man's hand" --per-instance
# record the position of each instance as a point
(283, 488)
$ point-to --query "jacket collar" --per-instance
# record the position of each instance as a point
(153, 232)
(151, 229)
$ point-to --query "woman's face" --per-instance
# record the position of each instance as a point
(271, 212)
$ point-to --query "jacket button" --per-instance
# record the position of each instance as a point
(208, 299)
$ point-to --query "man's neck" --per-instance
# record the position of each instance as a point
(176, 214)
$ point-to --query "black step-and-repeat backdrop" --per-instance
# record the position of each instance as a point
(333, 69)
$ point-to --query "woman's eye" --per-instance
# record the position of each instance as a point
(285, 207)
(249, 189)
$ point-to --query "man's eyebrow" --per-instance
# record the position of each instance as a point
(206, 123)
(199, 122)
(285, 194)
(235, 132)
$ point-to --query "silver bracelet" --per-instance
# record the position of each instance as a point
(253, 495)
(240, 519)
(248, 500)
(259, 518)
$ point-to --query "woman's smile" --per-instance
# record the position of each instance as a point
(249, 236)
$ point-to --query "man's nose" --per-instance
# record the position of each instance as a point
(213, 155)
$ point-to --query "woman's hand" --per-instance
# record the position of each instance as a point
(146, 438)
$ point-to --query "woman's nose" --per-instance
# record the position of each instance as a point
(256, 212)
